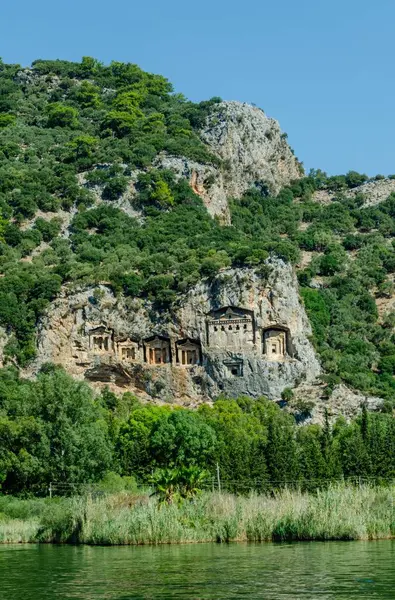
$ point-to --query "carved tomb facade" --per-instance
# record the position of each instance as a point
(157, 350)
(188, 352)
(231, 327)
(101, 340)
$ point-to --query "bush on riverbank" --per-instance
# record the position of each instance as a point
(339, 512)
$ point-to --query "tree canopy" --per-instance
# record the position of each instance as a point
(55, 430)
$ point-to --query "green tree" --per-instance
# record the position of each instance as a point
(122, 122)
(87, 95)
(83, 145)
(353, 451)
(312, 465)
(281, 452)
(115, 188)
(133, 444)
(154, 190)
(241, 438)
(182, 438)
(176, 485)
(354, 179)
(60, 115)
(54, 432)
(6, 120)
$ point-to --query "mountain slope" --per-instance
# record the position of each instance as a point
(112, 184)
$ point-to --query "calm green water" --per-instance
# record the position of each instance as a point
(207, 571)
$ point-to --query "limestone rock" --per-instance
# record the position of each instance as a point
(252, 145)
(65, 217)
(348, 403)
(205, 180)
(343, 401)
(124, 202)
(373, 191)
(253, 152)
(30, 76)
(242, 333)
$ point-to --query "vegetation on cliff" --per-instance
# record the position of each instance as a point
(60, 119)
(68, 128)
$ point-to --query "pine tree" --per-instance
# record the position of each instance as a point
(311, 461)
(281, 454)
(332, 468)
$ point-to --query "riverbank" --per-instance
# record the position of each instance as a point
(338, 513)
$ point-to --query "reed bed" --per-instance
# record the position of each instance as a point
(339, 512)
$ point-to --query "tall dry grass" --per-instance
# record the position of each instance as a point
(339, 512)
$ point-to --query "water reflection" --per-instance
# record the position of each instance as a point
(201, 572)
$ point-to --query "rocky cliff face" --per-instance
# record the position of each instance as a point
(311, 401)
(252, 145)
(253, 152)
(373, 192)
(243, 333)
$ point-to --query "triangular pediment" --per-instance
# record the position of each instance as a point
(230, 314)
(227, 313)
(100, 330)
(156, 339)
(125, 341)
(188, 344)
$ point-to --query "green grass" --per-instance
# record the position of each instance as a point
(338, 513)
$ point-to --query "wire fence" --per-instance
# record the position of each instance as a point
(272, 485)
(216, 484)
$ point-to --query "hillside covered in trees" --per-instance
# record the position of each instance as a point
(60, 121)
(74, 138)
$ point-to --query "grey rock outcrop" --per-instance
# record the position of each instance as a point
(227, 330)
(374, 192)
(253, 152)
(205, 180)
(348, 403)
(29, 76)
(252, 145)
(124, 202)
(342, 401)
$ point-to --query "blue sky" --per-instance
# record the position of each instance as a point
(324, 68)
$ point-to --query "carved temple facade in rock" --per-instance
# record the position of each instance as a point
(188, 352)
(230, 327)
(128, 350)
(157, 350)
(237, 335)
(101, 340)
(230, 330)
(276, 343)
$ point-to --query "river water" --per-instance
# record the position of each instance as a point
(203, 571)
